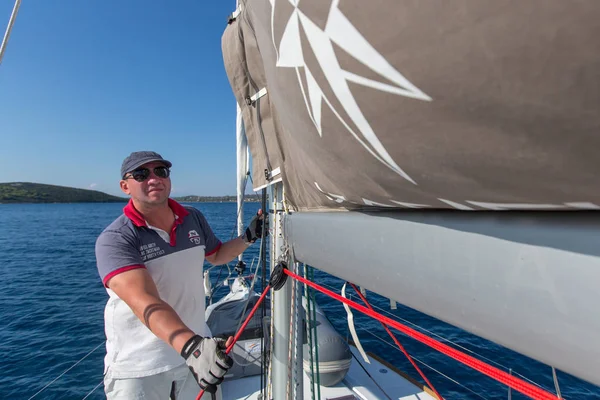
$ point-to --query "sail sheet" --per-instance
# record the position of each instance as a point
(464, 105)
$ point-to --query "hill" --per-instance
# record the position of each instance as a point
(216, 199)
(26, 192)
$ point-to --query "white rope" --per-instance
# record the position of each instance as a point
(93, 390)
(350, 318)
(70, 368)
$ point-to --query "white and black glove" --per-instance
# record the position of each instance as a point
(255, 228)
(207, 360)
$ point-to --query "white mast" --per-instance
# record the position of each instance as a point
(242, 168)
(281, 301)
(11, 22)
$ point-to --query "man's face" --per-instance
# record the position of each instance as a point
(152, 191)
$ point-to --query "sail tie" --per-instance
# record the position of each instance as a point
(352, 329)
(518, 384)
(364, 299)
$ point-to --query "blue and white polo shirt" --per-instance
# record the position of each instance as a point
(175, 262)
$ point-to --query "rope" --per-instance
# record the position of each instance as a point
(556, 386)
(11, 22)
(489, 360)
(501, 376)
(310, 338)
(398, 344)
(241, 330)
(68, 369)
(311, 274)
(422, 362)
(219, 284)
(93, 390)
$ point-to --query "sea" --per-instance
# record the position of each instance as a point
(52, 301)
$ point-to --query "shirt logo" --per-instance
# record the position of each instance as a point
(150, 251)
(194, 237)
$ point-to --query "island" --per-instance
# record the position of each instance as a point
(28, 192)
(216, 199)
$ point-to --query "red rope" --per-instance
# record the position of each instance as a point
(241, 330)
(398, 344)
(516, 383)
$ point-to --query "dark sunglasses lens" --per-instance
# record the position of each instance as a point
(140, 174)
(162, 172)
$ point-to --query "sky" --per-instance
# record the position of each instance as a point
(85, 83)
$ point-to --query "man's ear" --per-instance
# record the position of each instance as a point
(124, 186)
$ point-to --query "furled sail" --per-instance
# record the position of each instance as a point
(463, 105)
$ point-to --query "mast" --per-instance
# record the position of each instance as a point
(281, 300)
(242, 169)
(11, 22)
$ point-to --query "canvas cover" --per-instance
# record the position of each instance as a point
(462, 104)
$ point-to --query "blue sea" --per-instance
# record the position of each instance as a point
(52, 300)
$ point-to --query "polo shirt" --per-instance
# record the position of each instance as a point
(175, 262)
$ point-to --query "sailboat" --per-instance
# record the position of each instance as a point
(439, 155)
(442, 156)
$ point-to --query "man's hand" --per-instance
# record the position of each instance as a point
(207, 360)
(254, 230)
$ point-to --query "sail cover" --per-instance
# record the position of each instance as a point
(465, 105)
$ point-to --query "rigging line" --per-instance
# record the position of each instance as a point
(68, 369)
(243, 327)
(312, 294)
(360, 363)
(382, 310)
(11, 22)
(218, 286)
(241, 208)
(93, 390)
(362, 297)
(457, 345)
(556, 383)
(309, 336)
(422, 362)
(493, 372)
(254, 278)
(263, 262)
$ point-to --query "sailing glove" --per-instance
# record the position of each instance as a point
(207, 360)
(255, 229)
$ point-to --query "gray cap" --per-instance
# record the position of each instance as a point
(138, 158)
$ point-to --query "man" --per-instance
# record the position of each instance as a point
(150, 260)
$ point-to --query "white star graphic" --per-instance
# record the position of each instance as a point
(339, 30)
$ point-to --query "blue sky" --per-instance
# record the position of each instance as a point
(85, 82)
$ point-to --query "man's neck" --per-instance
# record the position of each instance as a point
(158, 215)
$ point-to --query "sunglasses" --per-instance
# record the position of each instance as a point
(141, 174)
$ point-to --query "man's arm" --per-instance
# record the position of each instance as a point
(233, 248)
(137, 289)
(228, 251)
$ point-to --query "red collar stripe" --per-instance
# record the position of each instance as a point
(138, 219)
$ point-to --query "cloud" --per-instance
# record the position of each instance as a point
(93, 185)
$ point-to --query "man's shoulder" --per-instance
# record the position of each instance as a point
(194, 213)
(192, 210)
(121, 225)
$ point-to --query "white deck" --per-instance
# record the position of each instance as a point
(386, 384)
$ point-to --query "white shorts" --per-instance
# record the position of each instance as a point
(176, 384)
